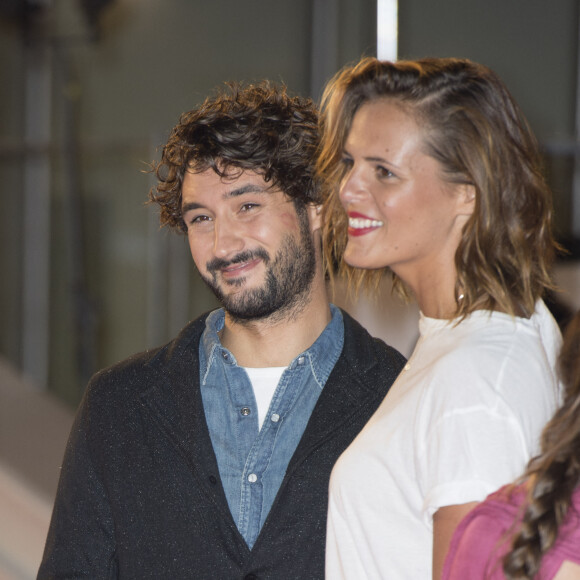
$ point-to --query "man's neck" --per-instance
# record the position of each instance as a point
(277, 341)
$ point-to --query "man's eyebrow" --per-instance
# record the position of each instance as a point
(249, 188)
(189, 206)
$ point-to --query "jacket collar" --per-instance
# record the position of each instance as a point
(175, 404)
(175, 398)
(356, 378)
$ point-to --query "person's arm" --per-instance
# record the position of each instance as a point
(80, 542)
(568, 571)
(445, 520)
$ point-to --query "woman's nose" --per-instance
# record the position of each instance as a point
(353, 187)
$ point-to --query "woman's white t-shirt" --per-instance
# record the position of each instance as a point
(463, 418)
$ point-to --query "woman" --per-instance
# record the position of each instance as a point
(432, 173)
(546, 539)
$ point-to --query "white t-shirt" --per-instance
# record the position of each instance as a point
(463, 418)
(264, 382)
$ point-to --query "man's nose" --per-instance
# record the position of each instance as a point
(228, 239)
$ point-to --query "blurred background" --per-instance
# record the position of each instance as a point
(89, 90)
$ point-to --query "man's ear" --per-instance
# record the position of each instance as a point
(315, 214)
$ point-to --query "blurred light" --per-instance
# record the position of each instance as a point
(387, 29)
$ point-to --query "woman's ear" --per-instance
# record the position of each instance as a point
(315, 214)
(466, 199)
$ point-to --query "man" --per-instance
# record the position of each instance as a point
(210, 457)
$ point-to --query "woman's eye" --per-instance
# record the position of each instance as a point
(346, 162)
(383, 172)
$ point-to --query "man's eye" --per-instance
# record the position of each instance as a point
(248, 206)
(199, 218)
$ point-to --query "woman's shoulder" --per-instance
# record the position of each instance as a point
(485, 342)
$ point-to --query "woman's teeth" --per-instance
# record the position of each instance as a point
(361, 223)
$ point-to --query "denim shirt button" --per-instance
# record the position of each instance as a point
(225, 355)
(301, 360)
(275, 417)
(252, 478)
(245, 411)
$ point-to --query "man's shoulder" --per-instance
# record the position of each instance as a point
(360, 345)
(131, 370)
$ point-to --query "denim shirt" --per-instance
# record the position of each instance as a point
(252, 461)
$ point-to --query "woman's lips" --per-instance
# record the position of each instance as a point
(360, 224)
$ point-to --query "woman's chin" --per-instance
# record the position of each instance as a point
(361, 261)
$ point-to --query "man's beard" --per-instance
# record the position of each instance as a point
(287, 284)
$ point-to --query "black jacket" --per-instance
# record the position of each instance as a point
(140, 495)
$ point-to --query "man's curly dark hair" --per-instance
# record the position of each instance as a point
(256, 127)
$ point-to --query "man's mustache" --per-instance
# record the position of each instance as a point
(219, 264)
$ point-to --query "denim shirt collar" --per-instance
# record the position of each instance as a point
(321, 355)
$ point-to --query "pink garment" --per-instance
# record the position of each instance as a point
(478, 544)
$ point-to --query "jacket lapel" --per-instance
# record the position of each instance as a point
(175, 405)
(354, 381)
